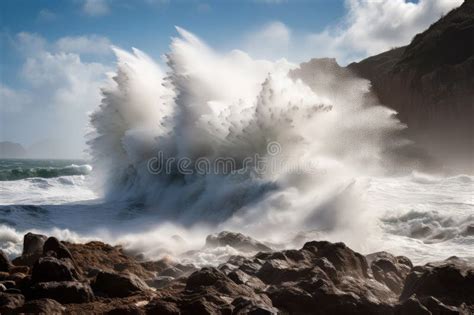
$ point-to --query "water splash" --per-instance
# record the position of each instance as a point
(211, 105)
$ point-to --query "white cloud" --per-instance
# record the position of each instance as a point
(271, 41)
(61, 87)
(92, 44)
(371, 27)
(29, 43)
(12, 100)
(368, 28)
(95, 7)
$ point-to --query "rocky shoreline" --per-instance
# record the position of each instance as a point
(54, 277)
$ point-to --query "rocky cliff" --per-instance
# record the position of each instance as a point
(430, 83)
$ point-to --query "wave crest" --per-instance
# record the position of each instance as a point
(211, 105)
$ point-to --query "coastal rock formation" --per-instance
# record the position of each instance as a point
(450, 281)
(319, 278)
(48, 269)
(429, 83)
(390, 270)
(63, 292)
(32, 249)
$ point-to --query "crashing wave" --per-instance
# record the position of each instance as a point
(211, 106)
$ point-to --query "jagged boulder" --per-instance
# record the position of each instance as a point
(210, 291)
(64, 292)
(53, 246)
(389, 269)
(345, 260)
(450, 281)
(53, 269)
(164, 307)
(33, 244)
(204, 278)
(32, 249)
(240, 277)
(118, 285)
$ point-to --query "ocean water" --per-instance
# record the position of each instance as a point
(423, 217)
(313, 155)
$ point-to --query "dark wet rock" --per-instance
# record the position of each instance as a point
(240, 277)
(118, 285)
(8, 283)
(160, 306)
(64, 292)
(53, 269)
(292, 299)
(251, 266)
(210, 291)
(41, 306)
(344, 259)
(323, 295)
(235, 240)
(33, 244)
(389, 269)
(411, 306)
(204, 277)
(450, 281)
(8, 302)
(319, 278)
(53, 245)
(5, 263)
(329, 277)
(435, 306)
(278, 271)
(13, 291)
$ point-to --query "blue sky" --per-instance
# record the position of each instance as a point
(149, 25)
(55, 54)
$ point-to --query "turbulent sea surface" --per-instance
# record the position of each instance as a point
(423, 217)
(336, 164)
